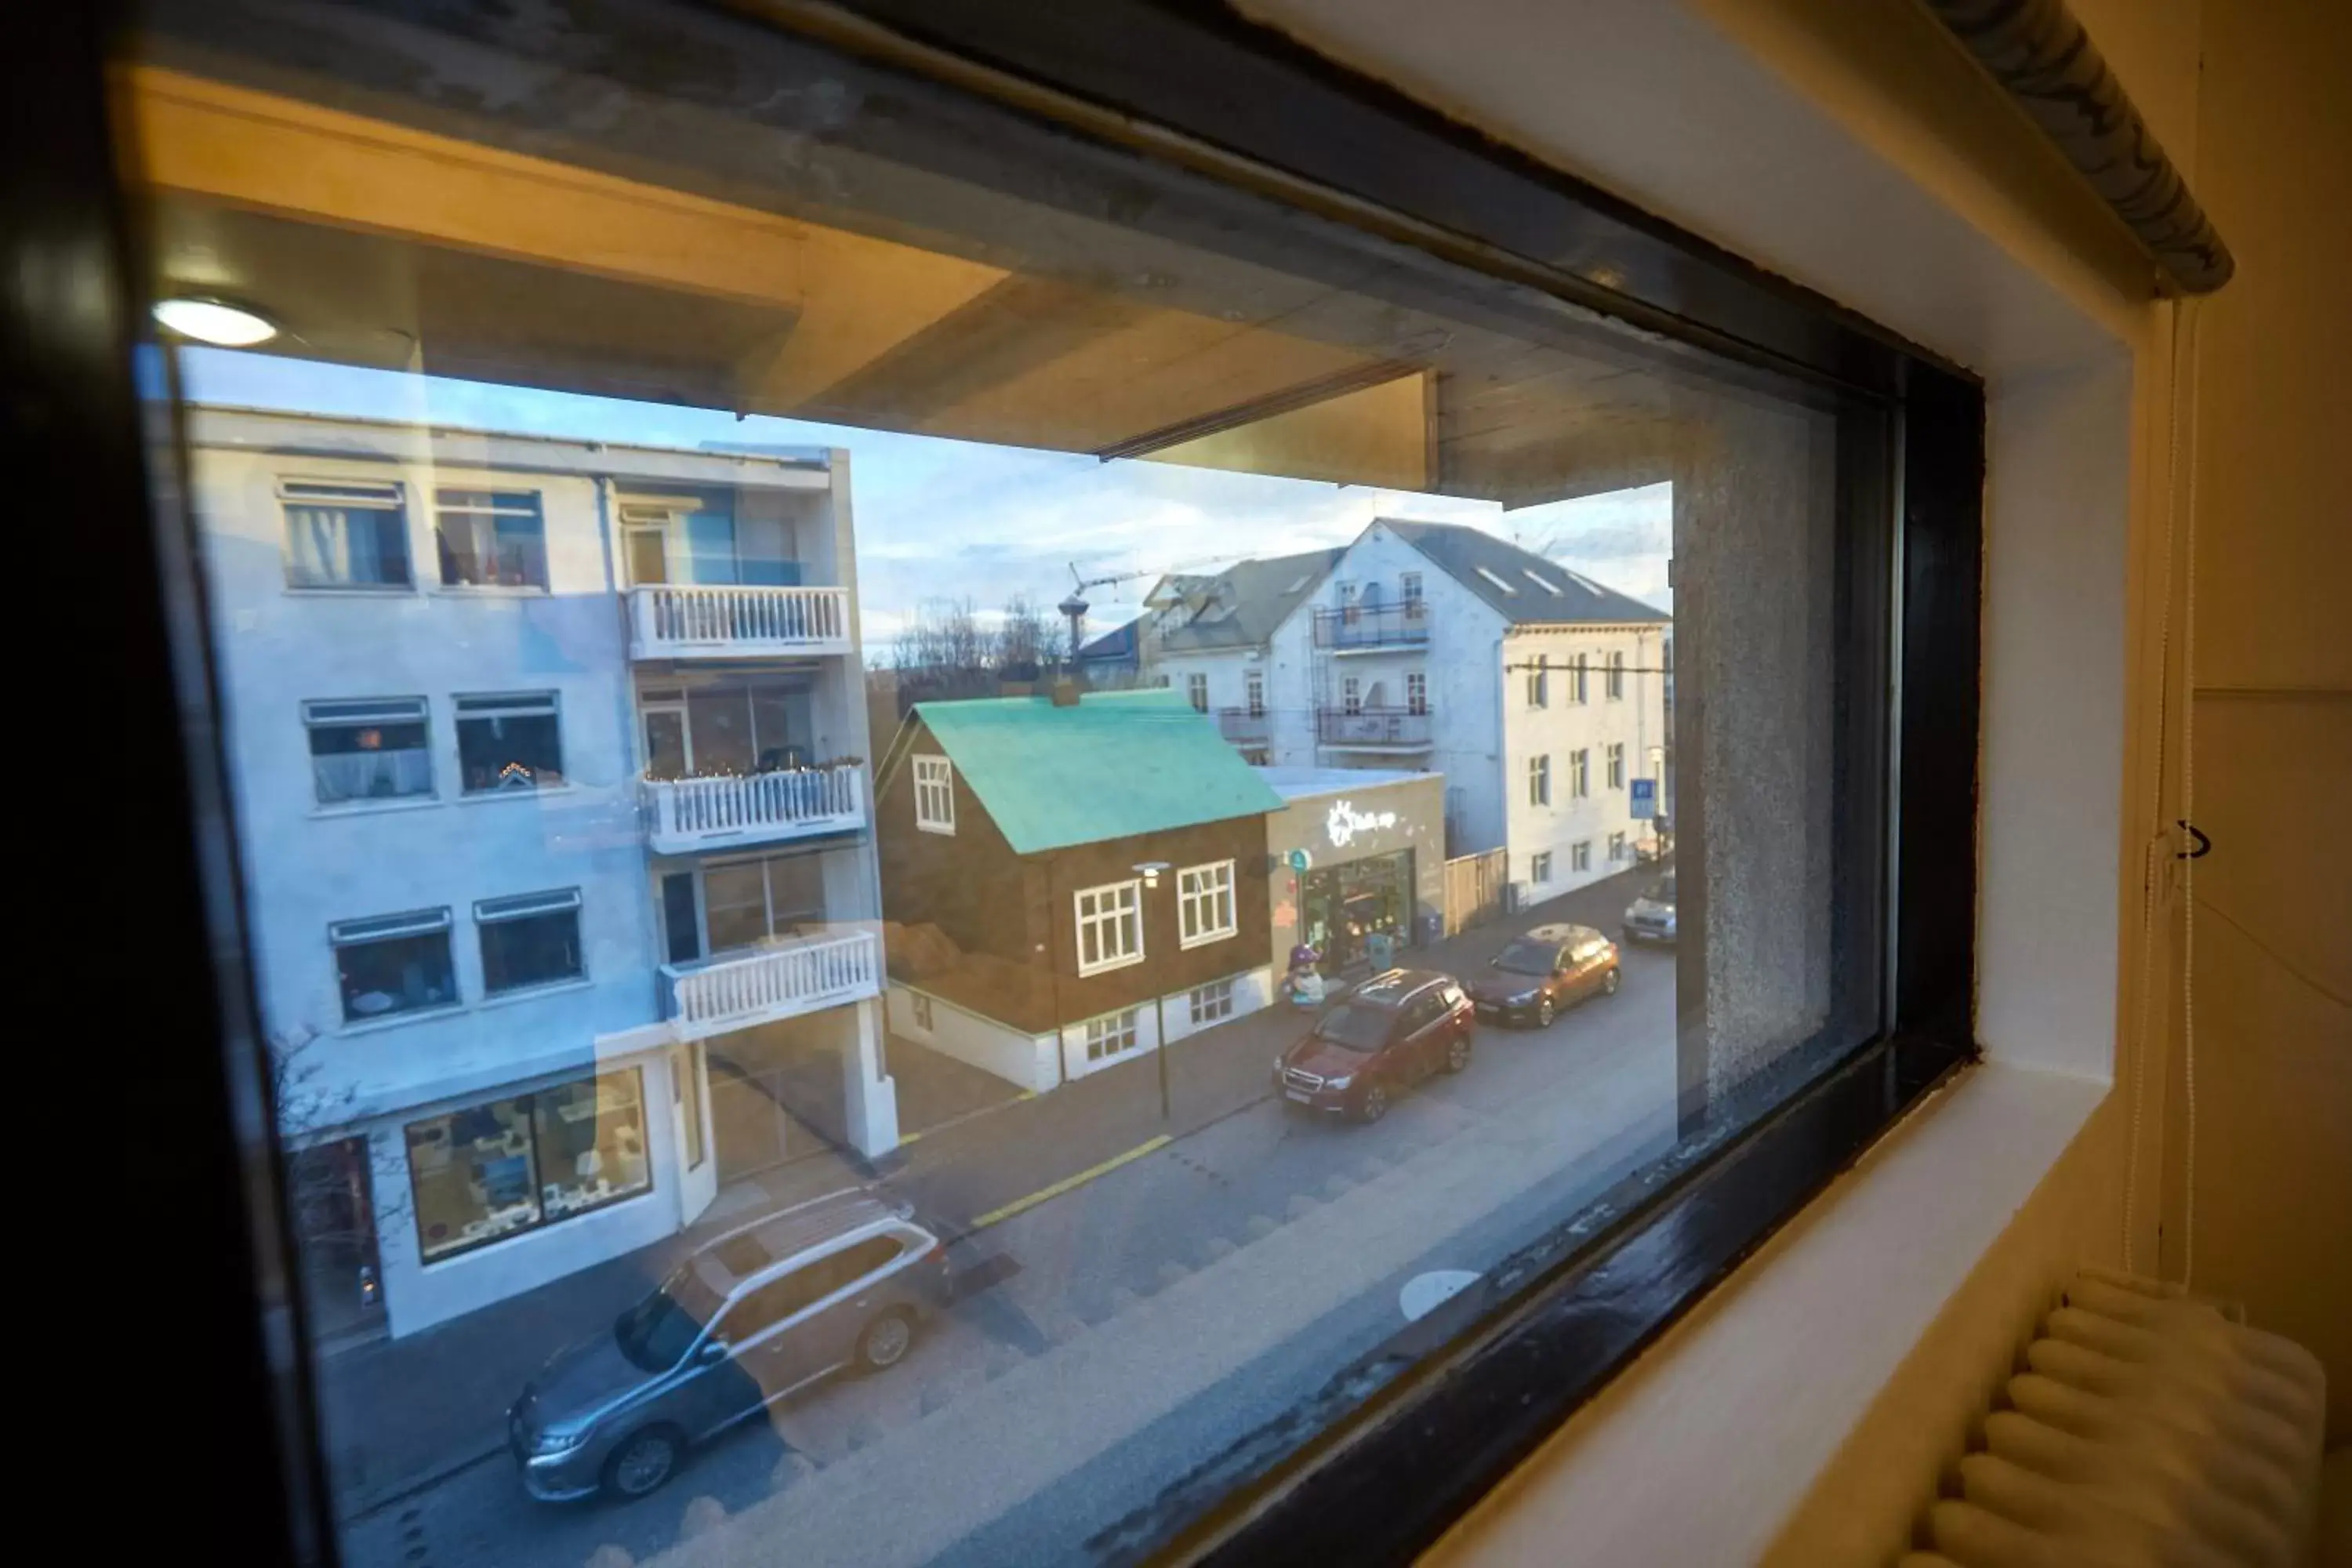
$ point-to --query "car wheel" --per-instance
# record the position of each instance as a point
(885, 1342)
(1373, 1106)
(1609, 986)
(643, 1463)
(1458, 1053)
(1544, 1011)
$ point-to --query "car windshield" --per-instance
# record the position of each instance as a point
(1528, 958)
(1662, 891)
(657, 1332)
(1356, 1027)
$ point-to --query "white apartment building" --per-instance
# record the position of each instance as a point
(1539, 694)
(550, 761)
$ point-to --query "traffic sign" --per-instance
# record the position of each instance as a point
(1646, 797)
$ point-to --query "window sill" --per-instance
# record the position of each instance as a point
(1208, 939)
(533, 992)
(497, 796)
(401, 1020)
(1798, 1342)
(376, 808)
(384, 591)
(1086, 972)
(490, 590)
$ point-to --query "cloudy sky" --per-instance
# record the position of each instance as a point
(940, 519)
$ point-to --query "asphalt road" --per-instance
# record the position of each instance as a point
(1134, 1328)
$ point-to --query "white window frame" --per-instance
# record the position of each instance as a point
(934, 793)
(1539, 866)
(1580, 855)
(1579, 773)
(1615, 683)
(1540, 687)
(1196, 691)
(361, 713)
(1197, 890)
(1105, 910)
(1540, 780)
(1096, 1034)
(1581, 685)
(1614, 756)
(1253, 693)
(1616, 847)
(919, 1007)
(1409, 590)
(1416, 692)
(1213, 1002)
(1351, 695)
(443, 506)
(345, 495)
(524, 906)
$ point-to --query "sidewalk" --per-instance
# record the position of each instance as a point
(399, 1414)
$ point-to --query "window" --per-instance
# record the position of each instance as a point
(1110, 926)
(1541, 581)
(1579, 773)
(1615, 753)
(1409, 591)
(934, 795)
(344, 534)
(1112, 1036)
(1616, 676)
(393, 963)
(1580, 670)
(1498, 580)
(1416, 692)
(919, 1006)
(751, 903)
(1204, 903)
(1539, 866)
(1212, 1002)
(1255, 685)
(509, 745)
(1580, 855)
(1616, 847)
(1540, 780)
(493, 1169)
(1351, 695)
(532, 939)
(1540, 688)
(1196, 689)
(490, 538)
(1348, 603)
(368, 750)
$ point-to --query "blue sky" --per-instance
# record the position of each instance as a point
(940, 519)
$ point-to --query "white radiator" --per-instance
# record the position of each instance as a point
(2149, 1429)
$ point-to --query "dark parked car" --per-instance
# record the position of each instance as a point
(1392, 1032)
(763, 1310)
(1651, 917)
(1549, 968)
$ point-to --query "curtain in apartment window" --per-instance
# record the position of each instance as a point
(371, 775)
(335, 545)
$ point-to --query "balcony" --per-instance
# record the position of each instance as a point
(675, 620)
(1373, 728)
(1241, 727)
(686, 816)
(1370, 628)
(801, 976)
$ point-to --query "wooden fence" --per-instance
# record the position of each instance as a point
(1473, 889)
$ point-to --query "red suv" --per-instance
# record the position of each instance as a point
(1392, 1032)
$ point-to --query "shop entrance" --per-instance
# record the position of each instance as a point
(331, 1196)
(1359, 915)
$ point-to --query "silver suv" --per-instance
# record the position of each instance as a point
(757, 1315)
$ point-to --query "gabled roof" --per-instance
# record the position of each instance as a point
(1245, 602)
(1119, 643)
(1524, 588)
(1111, 765)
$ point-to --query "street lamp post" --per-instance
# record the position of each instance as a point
(1151, 870)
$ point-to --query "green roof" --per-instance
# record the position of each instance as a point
(1112, 765)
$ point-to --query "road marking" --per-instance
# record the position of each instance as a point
(1067, 1184)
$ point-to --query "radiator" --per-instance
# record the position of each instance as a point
(2148, 1429)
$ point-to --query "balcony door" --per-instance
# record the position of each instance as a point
(726, 729)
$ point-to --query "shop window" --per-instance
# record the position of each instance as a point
(1580, 772)
(1196, 690)
(367, 750)
(934, 795)
(490, 538)
(1110, 926)
(1113, 1034)
(1616, 764)
(530, 940)
(344, 536)
(1204, 903)
(1539, 866)
(1540, 780)
(1580, 855)
(1212, 1002)
(491, 1171)
(393, 963)
(510, 744)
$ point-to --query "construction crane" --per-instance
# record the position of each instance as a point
(1075, 607)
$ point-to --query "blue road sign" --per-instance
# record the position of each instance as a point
(1646, 797)
(1299, 860)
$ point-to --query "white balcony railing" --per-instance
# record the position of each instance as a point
(804, 976)
(674, 620)
(688, 814)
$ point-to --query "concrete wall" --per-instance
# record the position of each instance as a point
(1013, 1054)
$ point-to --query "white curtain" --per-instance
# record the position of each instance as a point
(335, 545)
(370, 775)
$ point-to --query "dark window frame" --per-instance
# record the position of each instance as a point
(1501, 1367)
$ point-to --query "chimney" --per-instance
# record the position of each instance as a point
(1065, 693)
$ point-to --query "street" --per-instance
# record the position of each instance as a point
(1115, 1335)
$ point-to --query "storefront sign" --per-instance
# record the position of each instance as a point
(1345, 822)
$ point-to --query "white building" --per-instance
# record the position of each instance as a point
(1539, 694)
(549, 758)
